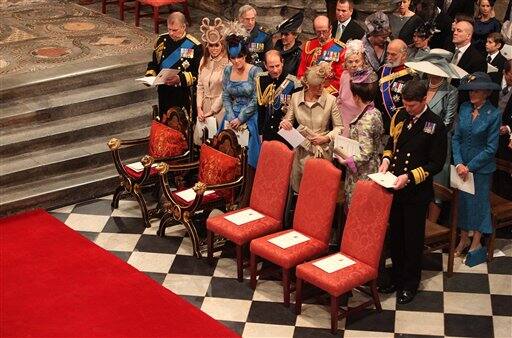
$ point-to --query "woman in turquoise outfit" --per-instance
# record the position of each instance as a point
(240, 104)
(474, 146)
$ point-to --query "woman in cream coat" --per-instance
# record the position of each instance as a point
(211, 69)
(315, 111)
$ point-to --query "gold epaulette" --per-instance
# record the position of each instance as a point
(150, 72)
(294, 79)
(393, 76)
(193, 39)
(339, 42)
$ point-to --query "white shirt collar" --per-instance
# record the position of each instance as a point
(493, 55)
(463, 49)
(344, 23)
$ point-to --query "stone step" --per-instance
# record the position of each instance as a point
(70, 130)
(60, 190)
(54, 80)
(61, 160)
(78, 101)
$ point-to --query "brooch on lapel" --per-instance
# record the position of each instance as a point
(429, 127)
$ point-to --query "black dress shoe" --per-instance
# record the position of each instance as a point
(387, 289)
(405, 296)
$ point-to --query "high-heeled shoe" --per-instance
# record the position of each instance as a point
(458, 252)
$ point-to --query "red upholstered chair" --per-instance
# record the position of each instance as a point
(171, 142)
(314, 211)
(155, 6)
(362, 241)
(222, 168)
(121, 3)
(268, 197)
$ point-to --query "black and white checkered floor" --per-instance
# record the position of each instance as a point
(475, 302)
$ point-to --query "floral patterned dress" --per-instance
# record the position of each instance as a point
(367, 129)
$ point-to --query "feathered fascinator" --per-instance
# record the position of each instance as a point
(377, 23)
(364, 76)
(427, 29)
(235, 38)
(212, 34)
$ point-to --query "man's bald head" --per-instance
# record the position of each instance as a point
(462, 33)
(177, 17)
(322, 28)
(396, 53)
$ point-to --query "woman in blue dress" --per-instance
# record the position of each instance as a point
(485, 23)
(474, 146)
(239, 99)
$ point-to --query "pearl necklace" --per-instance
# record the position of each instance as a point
(432, 86)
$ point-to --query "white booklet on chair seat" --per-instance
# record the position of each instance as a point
(244, 216)
(289, 239)
(138, 167)
(334, 263)
(189, 195)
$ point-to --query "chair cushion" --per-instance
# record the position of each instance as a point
(215, 167)
(290, 257)
(136, 174)
(213, 197)
(241, 234)
(165, 141)
(338, 282)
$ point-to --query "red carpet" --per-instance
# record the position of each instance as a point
(56, 283)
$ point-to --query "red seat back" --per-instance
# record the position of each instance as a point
(367, 221)
(272, 179)
(316, 202)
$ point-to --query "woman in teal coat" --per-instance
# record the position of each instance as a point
(474, 146)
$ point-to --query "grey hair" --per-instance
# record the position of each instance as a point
(246, 8)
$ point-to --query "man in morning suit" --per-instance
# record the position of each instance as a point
(274, 89)
(345, 28)
(259, 41)
(465, 55)
(393, 76)
(177, 50)
(415, 152)
(323, 48)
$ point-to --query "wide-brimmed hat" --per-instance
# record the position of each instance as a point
(437, 65)
(478, 81)
(291, 25)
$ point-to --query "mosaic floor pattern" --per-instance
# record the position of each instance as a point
(38, 34)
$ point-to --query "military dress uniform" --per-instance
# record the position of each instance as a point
(273, 95)
(258, 43)
(332, 52)
(391, 82)
(184, 55)
(417, 147)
